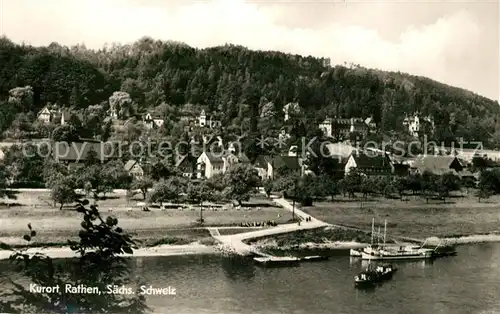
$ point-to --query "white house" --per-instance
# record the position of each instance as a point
(415, 123)
(209, 164)
(151, 121)
(343, 126)
(45, 115)
(209, 121)
(134, 169)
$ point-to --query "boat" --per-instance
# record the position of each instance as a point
(277, 261)
(315, 258)
(370, 276)
(355, 252)
(391, 253)
(378, 251)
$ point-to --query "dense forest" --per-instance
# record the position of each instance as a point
(229, 78)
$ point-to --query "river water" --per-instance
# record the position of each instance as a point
(466, 283)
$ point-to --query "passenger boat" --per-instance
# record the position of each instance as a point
(377, 251)
(390, 253)
(373, 276)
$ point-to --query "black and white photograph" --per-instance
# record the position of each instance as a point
(250, 156)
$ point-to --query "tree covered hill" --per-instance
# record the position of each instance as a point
(226, 77)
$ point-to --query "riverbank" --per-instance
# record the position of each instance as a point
(460, 216)
(325, 238)
(160, 250)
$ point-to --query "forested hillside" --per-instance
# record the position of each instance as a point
(225, 78)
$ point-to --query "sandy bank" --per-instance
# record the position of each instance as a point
(471, 239)
(161, 250)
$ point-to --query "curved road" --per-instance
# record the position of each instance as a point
(235, 241)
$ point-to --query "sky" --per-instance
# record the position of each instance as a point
(454, 42)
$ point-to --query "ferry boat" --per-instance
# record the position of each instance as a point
(378, 251)
(403, 252)
(373, 276)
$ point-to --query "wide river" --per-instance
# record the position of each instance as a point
(466, 283)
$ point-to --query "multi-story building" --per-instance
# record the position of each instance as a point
(416, 124)
(210, 164)
(208, 120)
(343, 127)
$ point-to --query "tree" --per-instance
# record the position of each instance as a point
(268, 186)
(328, 185)
(65, 133)
(121, 104)
(4, 183)
(483, 194)
(199, 193)
(163, 170)
(400, 184)
(448, 182)
(489, 180)
(352, 182)
(142, 184)
(240, 181)
(428, 185)
(95, 178)
(24, 163)
(169, 190)
(98, 264)
(93, 119)
(62, 192)
(22, 97)
(479, 163)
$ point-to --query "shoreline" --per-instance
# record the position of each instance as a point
(195, 248)
(160, 250)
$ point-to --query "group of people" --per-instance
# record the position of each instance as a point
(308, 219)
(259, 224)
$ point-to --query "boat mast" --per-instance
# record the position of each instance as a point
(378, 235)
(373, 229)
(385, 230)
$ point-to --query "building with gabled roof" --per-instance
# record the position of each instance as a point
(134, 169)
(186, 164)
(267, 166)
(369, 163)
(437, 165)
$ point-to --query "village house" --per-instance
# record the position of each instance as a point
(209, 121)
(268, 166)
(134, 169)
(369, 163)
(152, 121)
(417, 125)
(186, 164)
(437, 165)
(45, 115)
(342, 128)
(210, 164)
